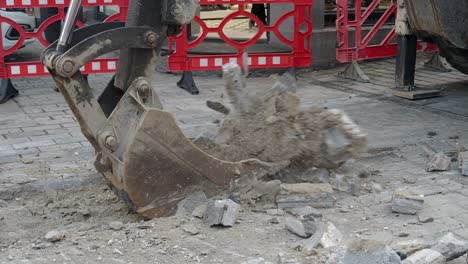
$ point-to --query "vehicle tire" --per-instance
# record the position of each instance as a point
(457, 57)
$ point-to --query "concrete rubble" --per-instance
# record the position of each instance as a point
(54, 235)
(363, 252)
(405, 201)
(326, 236)
(405, 248)
(451, 246)
(305, 227)
(439, 162)
(116, 225)
(425, 256)
(221, 212)
(306, 194)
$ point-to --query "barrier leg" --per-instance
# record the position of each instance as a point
(437, 63)
(7, 90)
(187, 83)
(293, 72)
(354, 72)
(405, 70)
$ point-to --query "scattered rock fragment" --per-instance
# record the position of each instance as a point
(451, 246)
(116, 225)
(327, 236)
(296, 227)
(304, 211)
(463, 162)
(354, 169)
(319, 195)
(409, 247)
(40, 245)
(187, 205)
(191, 229)
(199, 211)
(438, 162)
(363, 252)
(406, 202)
(345, 183)
(221, 212)
(425, 219)
(54, 235)
(261, 191)
(285, 259)
(273, 220)
(425, 256)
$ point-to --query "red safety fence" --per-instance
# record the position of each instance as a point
(364, 47)
(36, 68)
(300, 42)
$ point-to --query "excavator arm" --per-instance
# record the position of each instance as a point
(141, 151)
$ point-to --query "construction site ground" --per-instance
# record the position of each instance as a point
(47, 178)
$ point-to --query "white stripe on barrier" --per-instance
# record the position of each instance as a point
(43, 2)
(261, 60)
(203, 62)
(96, 66)
(276, 60)
(111, 65)
(234, 60)
(32, 69)
(15, 70)
(218, 62)
(10, 2)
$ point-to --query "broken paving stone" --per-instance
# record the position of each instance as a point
(221, 212)
(304, 227)
(409, 247)
(463, 162)
(199, 211)
(361, 251)
(273, 220)
(425, 256)
(296, 227)
(54, 235)
(326, 236)
(191, 201)
(304, 211)
(451, 246)
(116, 225)
(425, 219)
(265, 192)
(406, 202)
(438, 162)
(354, 169)
(403, 234)
(344, 183)
(40, 245)
(319, 195)
(191, 229)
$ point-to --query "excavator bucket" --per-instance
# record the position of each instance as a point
(141, 151)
